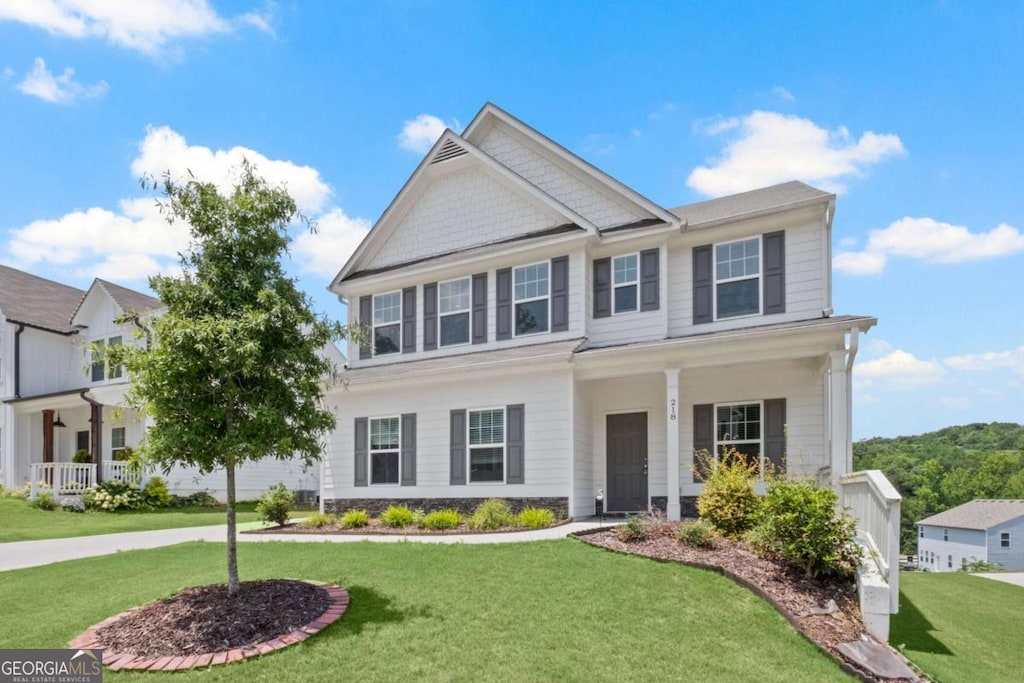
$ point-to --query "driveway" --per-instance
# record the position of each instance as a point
(1016, 578)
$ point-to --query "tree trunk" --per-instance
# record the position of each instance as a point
(232, 544)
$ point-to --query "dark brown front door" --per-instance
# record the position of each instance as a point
(627, 462)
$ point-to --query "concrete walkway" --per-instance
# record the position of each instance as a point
(24, 554)
(1015, 578)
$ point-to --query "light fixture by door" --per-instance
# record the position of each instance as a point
(58, 422)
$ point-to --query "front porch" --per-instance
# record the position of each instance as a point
(70, 479)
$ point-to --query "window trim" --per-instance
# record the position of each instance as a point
(1004, 539)
(370, 451)
(945, 534)
(634, 283)
(515, 301)
(719, 443)
(114, 451)
(103, 360)
(504, 446)
(715, 282)
(468, 312)
(374, 325)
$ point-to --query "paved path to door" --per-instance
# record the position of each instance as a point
(24, 554)
(1016, 578)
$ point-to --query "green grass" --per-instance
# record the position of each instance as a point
(958, 627)
(19, 522)
(553, 610)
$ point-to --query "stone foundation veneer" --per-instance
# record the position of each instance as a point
(687, 505)
(375, 506)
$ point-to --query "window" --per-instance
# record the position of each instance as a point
(385, 447)
(98, 362)
(453, 311)
(117, 443)
(738, 426)
(920, 532)
(82, 440)
(1004, 539)
(531, 298)
(625, 283)
(945, 534)
(117, 370)
(738, 278)
(949, 561)
(387, 323)
(487, 445)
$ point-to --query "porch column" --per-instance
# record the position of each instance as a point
(47, 435)
(96, 437)
(841, 460)
(672, 441)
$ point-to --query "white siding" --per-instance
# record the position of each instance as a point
(584, 487)
(251, 480)
(49, 363)
(548, 442)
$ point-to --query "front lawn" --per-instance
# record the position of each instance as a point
(958, 627)
(19, 522)
(557, 610)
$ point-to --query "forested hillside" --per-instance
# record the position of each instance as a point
(942, 469)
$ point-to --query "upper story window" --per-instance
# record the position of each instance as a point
(387, 323)
(385, 447)
(532, 298)
(738, 278)
(101, 370)
(625, 282)
(920, 532)
(453, 311)
(1004, 539)
(487, 445)
(945, 534)
(738, 425)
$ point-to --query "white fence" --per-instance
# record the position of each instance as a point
(63, 478)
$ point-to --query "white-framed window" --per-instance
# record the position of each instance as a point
(101, 370)
(920, 532)
(945, 534)
(738, 278)
(387, 323)
(532, 297)
(486, 445)
(625, 283)
(949, 561)
(738, 425)
(1004, 539)
(117, 443)
(385, 450)
(453, 306)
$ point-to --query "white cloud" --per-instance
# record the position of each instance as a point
(770, 148)
(420, 134)
(599, 144)
(164, 149)
(337, 236)
(147, 27)
(991, 360)
(783, 94)
(897, 369)
(63, 89)
(664, 111)
(931, 241)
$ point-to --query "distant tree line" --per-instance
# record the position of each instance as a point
(945, 468)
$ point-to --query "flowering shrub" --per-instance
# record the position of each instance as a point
(275, 504)
(113, 495)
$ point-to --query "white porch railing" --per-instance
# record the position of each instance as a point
(875, 503)
(63, 478)
(121, 469)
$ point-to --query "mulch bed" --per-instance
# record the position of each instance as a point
(377, 527)
(800, 600)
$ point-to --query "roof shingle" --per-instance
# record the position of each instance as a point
(981, 513)
(739, 205)
(36, 301)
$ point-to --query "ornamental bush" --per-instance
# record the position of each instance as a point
(354, 519)
(493, 513)
(43, 501)
(441, 519)
(397, 516)
(112, 495)
(155, 493)
(699, 534)
(274, 505)
(633, 530)
(536, 518)
(81, 456)
(728, 501)
(317, 520)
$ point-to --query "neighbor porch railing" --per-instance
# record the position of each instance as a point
(63, 478)
(125, 471)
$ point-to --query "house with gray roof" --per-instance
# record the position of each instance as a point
(983, 530)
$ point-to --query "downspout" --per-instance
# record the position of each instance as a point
(17, 359)
(96, 427)
(851, 354)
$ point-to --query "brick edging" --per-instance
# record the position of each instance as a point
(338, 602)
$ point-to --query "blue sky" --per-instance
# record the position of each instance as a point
(910, 111)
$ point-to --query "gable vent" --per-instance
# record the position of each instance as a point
(449, 150)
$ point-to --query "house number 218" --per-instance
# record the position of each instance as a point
(672, 410)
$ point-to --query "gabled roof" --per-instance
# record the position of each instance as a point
(36, 301)
(748, 204)
(128, 300)
(981, 514)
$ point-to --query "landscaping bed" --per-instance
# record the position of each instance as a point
(376, 526)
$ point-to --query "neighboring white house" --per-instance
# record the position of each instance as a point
(982, 530)
(541, 332)
(56, 400)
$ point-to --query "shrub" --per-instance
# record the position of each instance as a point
(155, 493)
(536, 518)
(274, 505)
(633, 530)
(43, 501)
(125, 453)
(201, 499)
(73, 505)
(442, 519)
(23, 491)
(397, 516)
(798, 522)
(81, 456)
(697, 534)
(728, 500)
(493, 513)
(112, 495)
(317, 520)
(354, 519)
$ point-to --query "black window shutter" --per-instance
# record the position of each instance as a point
(775, 433)
(702, 284)
(361, 450)
(515, 432)
(703, 436)
(430, 316)
(503, 303)
(409, 320)
(560, 294)
(366, 318)
(649, 271)
(409, 449)
(458, 447)
(775, 272)
(480, 308)
(602, 287)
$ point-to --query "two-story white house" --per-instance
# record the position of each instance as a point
(538, 331)
(57, 398)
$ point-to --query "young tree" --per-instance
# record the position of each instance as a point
(231, 370)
